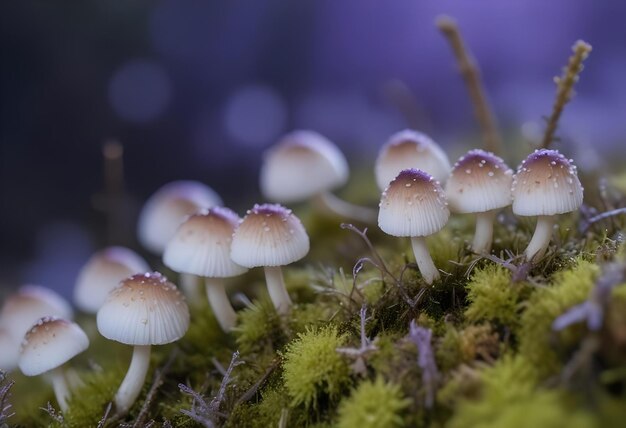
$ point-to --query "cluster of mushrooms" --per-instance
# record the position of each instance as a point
(197, 237)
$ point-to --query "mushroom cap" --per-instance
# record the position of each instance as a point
(269, 235)
(546, 183)
(410, 149)
(50, 343)
(102, 273)
(145, 309)
(10, 351)
(167, 208)
(29, 303)
(413, 205)
(300, 165)
(201, 245)
(480, 181)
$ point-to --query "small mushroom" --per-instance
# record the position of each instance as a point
(145, 310)
(28, 304)
(49, 344)
(414, 205)
(410, 149)
(165, 210)
(10, 351)
(201, 246)
(102, 273)
(480, 183)
(304, 165)
(546, 184)
(271, 236)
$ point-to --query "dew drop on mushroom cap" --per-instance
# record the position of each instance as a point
(49, 344)
(414, 205)
(201, 246)
(146, 309)
(102, 273)
(301, 165)
(480, 183)
(167, 208)
(546, 184)
(271, 236)
(410, 149)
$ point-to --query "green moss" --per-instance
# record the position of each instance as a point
(313, 367)
(568, 288)
(258, 328)
(374, 404)
(492, 296)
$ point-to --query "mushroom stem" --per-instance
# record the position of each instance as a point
(276, 288)
(484, 232)
(423, 259)
(541, 238)
(61, 390)
(218, 299)
(334, 205)
(189, 285)
(135, 377)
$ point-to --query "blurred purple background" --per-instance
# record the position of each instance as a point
(198, 89)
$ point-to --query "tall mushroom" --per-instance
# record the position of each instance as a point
(201, 246)
(102, 273)
(546, 184)
(49, 344)
(271, 236)
(10, 351)
(410, 149)
(414, 205)
(165, 210)
(304, 165)
(480, 183)
(145, 310)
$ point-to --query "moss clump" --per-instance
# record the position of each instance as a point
(313, 367)
(568, 288)
(374, 404)
(258, 328)
(492, 296)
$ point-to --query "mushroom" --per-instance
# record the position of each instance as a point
(201, 246)
(145, 310)
(10, 351)
(480, 183)
(165, 210)
(102, 273)
(28, 304)
(49, 344)
(271, 236)
(410, 149)
(304, 165)
(414, 205)
(546, 184)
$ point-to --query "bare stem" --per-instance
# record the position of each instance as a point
(565, 88)
(471, 76)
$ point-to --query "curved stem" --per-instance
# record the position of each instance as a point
(133, 382)
(189, 285)
(61, 391)
(220, 304)
(276, 288)
(341, 208)
(541, 238)
(484, 232)
(424, 261)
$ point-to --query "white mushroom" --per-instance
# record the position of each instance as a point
(201, 246)
(414, 205)
(410, 149)
(271, 236)
(304, 165)
(10, 351)
(144, 310)
(165, 210)
(480, 183)
(49, 344)
(102, 273)
(546, 184)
